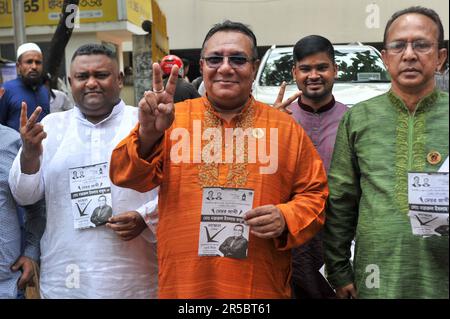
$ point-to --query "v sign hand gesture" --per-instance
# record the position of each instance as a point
(282, 106)
(32, 134)
(156, 110)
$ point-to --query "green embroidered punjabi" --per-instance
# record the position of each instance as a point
(377, 143)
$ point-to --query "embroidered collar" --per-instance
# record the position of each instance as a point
(424, 104)
(211, 109)
(322, 109)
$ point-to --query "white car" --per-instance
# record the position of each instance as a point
(361, 74)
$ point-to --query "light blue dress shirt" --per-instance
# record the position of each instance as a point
(11, 247)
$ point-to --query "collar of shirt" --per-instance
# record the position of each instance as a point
(117, 109)
(322, 109)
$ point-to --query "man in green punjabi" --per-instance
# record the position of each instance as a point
(378, 142)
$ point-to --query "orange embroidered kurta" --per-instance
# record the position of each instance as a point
(298, 188)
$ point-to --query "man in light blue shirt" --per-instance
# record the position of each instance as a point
(15, 256)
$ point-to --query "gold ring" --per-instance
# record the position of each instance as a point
(159, 91)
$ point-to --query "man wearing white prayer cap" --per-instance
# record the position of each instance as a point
(28, 87)
(27, 47)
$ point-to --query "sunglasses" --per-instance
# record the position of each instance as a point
(235, 61)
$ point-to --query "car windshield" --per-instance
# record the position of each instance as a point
(354, 65)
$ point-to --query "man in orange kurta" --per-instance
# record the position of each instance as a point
(184, 148)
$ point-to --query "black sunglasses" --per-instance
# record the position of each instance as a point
(235, 61)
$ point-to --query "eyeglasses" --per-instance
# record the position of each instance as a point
(420, 46)
(235, 61)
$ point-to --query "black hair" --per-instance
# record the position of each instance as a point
(313, 44)
(228, 25)
(93, 48)
(430, 13)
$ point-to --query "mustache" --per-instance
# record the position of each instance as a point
(318, 81)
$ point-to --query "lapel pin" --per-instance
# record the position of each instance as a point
(434, 157)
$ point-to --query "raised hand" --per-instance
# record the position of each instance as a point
(282, 106)
(156, 109)
(32, 134)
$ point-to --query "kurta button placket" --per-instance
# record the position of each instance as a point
(95, 144)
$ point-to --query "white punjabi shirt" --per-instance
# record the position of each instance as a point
(93, 262)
